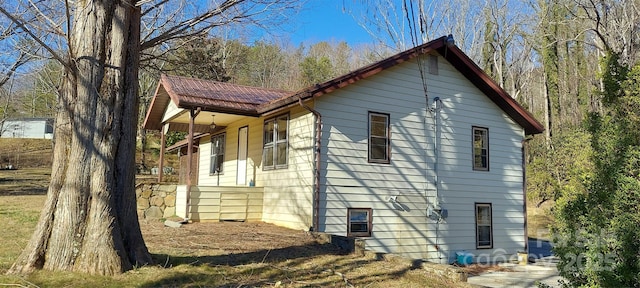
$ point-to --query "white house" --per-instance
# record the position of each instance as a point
(420, 154)
(38, 128)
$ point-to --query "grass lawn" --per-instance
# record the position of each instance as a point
(226, 254)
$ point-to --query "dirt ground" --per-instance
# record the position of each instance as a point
(230, 243)
(277, 257)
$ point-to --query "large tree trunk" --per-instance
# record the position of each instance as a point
(89, 222)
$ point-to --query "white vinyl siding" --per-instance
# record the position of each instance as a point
(172, 111)
(288, 193)
(402, 226)
(36, 128)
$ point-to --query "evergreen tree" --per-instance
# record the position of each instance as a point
(597, 235)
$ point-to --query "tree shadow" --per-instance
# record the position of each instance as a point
(295, 265)
(260, 256)
(270, 264)
(11, 187)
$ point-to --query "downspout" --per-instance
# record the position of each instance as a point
(316, 168)
(524, 190)
(437, 105)
(192, 115)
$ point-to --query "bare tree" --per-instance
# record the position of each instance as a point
(89, 221)
(13, 55)
(613, 26)
(406, 24)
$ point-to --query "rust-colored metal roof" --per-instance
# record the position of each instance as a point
(215, 96)
(191, 93)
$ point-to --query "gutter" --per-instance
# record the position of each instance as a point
(523, 147)
(316, 168)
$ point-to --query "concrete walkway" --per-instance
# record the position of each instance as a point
(543, 270)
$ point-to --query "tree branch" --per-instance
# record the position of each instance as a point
(145, 12)
(53, 24)
(178, 29)
(22, 59)
(21, 25)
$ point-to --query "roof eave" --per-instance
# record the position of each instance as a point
(218, 109)
(489, 87)
(155, 124)
(352, 77)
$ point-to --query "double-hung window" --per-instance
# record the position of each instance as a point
(480, 148)
(379, 138)
(484, 223)
(217, 154)
(276, 142)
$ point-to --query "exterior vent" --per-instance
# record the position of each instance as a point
(433, 64)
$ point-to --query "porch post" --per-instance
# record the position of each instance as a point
(192, 115)
(163, 142)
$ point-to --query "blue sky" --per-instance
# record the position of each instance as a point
(322, 20)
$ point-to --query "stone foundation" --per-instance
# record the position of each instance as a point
(156, 201)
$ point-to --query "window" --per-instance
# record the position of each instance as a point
(484, 230)
(48, 128)
(359, 222)
(276, 143)
(379, 138)
(480, 149)
(217, 154)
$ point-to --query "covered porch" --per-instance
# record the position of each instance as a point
(217, 169)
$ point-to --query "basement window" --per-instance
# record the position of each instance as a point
(359, 222)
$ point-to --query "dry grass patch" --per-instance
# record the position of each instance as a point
(538, 220)
(26, 181)
(227, 254)
(25, 153)
(18, 215)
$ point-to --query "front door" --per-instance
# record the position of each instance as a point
(242, 155)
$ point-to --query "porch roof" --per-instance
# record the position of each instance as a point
(185, 142)
(212, 96)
